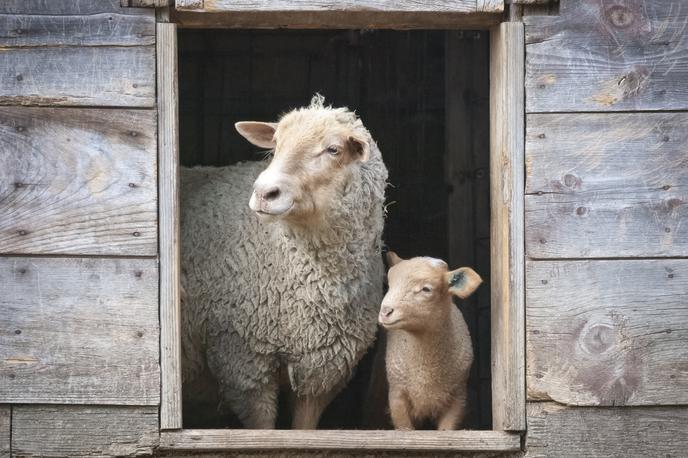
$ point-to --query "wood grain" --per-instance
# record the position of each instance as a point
(58, 431)
(78, 76)
(79, 331)
(101, 29)
(608, 332)
(558, 431)
(78, 181)
(507, 231)
(407, 441)
(170, 321)
(606, 185)
(66, 7)
(218, 6)
(5, 432)
(391, 18)
(492, 6)
(608, 56)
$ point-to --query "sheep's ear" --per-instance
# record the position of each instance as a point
(360, 148)
(393, 258)
(462, 282)
(261, 134)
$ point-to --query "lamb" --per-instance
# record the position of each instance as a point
(429, 352)
(284, 291)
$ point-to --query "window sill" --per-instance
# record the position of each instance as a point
(252, 440)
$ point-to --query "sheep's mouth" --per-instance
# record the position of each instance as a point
(268, 213)
(391, 324)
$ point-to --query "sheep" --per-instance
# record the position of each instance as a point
(284, 291)
(429, 352)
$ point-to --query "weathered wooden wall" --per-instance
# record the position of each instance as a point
(606, 192)
(79, 332)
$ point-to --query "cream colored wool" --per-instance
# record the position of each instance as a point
(261, 297)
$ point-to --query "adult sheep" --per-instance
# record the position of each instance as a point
(284, 290)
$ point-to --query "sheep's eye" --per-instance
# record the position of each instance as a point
(426, 289)
(333, 150)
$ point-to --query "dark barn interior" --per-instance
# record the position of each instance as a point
(424, 96)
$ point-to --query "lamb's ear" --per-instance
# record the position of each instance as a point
(360, 148)
(261, 134)
(462, 282)
(393, 258)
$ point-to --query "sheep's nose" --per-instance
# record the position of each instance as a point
(386, 311)
(269, 194)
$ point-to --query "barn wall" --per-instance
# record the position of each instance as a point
(606, 193)
(79, 332)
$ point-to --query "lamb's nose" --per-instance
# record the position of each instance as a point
(386, 311)
(270, 193)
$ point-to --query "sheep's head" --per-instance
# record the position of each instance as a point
(420, 291)
(315, 149)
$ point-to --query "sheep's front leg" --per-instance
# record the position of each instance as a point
(400, 410)
(308, 409)
(453, 415)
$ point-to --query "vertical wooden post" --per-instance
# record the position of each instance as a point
(168, 198)
(507, 231)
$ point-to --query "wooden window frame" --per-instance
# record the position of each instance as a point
(507, 265)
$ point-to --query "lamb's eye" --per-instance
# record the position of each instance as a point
(426, 289)
(333, 150)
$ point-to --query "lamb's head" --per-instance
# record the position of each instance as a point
(420, 292)
(316, 149)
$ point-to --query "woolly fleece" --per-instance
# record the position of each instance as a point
(261, 297)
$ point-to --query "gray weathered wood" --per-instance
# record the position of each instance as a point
(242, 439)
(79, 331)
(606, 185)
(189, 4)
(66, 7)
(393, 17)
(491, 6)
(608, 56)
(77, 181)
(438, 6)
(5, 433)
(84, 431)
(168, 134)
(507, 232)
(147, 3)
(100, 76)
(103, 29)
(608, 332)
(558, 431)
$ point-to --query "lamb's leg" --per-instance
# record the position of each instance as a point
(453, 415)
(308, 409)
(400, 410)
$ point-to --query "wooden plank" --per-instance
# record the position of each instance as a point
(555, 430)
(605, 56)
(5, 431)
(84, 431)
(189, 4)
(492, 6)
(606, 185)
(399, 19)
(147, 3)
(414, 6)
(507, 231)
(78, 331)
(78, 181)
(608, 332)
(168, 128)
(102, 29)
(66, 7)
(407, 441)
(78, 76)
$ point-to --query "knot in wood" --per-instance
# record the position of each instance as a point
(619, 16)
(598, 338)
